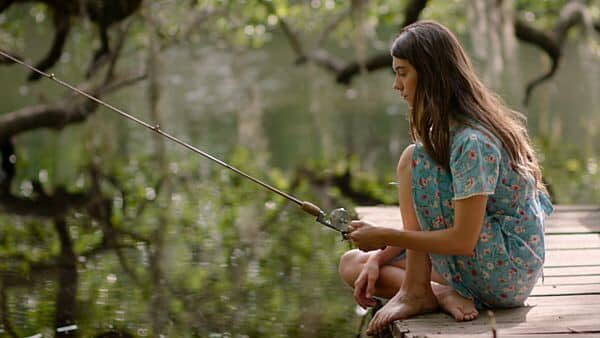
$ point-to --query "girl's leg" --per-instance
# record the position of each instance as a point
(416, 295)
(390, 278)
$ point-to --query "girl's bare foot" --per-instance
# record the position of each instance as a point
(404, 304)
(461, 308)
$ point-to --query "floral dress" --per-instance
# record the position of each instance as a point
(509, 255)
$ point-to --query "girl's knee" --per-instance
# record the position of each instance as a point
(350, 263)
(404, 164)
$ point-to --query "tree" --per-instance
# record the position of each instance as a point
(231, 243)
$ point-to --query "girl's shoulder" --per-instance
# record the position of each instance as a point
(463, 134)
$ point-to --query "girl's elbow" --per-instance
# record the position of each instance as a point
(466, 249)
(463, 247)
(467, 253)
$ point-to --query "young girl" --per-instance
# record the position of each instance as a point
(470, 193)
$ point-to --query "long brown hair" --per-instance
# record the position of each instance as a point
(448, 89)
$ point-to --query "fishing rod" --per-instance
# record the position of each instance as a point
(338, 220)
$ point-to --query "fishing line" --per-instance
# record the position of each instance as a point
(338, 219)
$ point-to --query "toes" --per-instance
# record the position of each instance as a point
(378, 323)
(373, 324)
(474, 314)
(457, 313)
(460, 315)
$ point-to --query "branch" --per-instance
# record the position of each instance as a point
(287, 30)
(332, 25)
(4, 310)
(59, 204)
(413, 10)
(71, 109)
(342, 181)
(376, 62)
(55, 116)
(116, 53)
(552, 43)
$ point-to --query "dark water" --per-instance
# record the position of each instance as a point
(209, 262)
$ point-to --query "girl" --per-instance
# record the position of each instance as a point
(470, 193)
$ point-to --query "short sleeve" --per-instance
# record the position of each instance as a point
(474, 164)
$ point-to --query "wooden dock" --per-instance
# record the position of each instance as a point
(565, 304)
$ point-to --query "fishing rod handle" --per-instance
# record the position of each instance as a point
(311, 208)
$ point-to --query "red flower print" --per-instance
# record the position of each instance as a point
(470, 183)
(472, 154)
(438, 222)
(534, 239)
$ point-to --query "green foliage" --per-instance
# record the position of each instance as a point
(232, 258)
(573, 176)
(240, 258)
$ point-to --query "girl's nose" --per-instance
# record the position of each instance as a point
(397, 85)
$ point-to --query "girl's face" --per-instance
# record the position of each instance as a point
(406, 79)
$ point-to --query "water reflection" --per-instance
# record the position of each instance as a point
(230, 260)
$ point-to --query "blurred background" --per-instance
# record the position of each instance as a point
(107, 230)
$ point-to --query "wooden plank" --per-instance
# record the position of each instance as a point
(574, 229)
(556, 258)
(566, 304)
(576, 207)
(562, 221)
(556, 315)
(569, 280)
(577, 334)
(547, 290)
(572, 271)
(574, 241)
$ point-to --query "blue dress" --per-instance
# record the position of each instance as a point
(509, 255)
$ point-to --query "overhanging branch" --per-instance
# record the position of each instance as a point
(552, 42)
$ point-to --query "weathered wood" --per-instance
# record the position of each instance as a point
(574, 241)
(565, 304)
(571, 271)
(559, 315)
(569, 280)
(572, 257)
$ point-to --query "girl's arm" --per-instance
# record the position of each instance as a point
(384, 255)
(458, 240)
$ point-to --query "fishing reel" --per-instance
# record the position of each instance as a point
(338, 220)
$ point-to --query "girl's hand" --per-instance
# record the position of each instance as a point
(364, 286)
(366, 236)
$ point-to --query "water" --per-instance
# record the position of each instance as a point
(199, 254)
